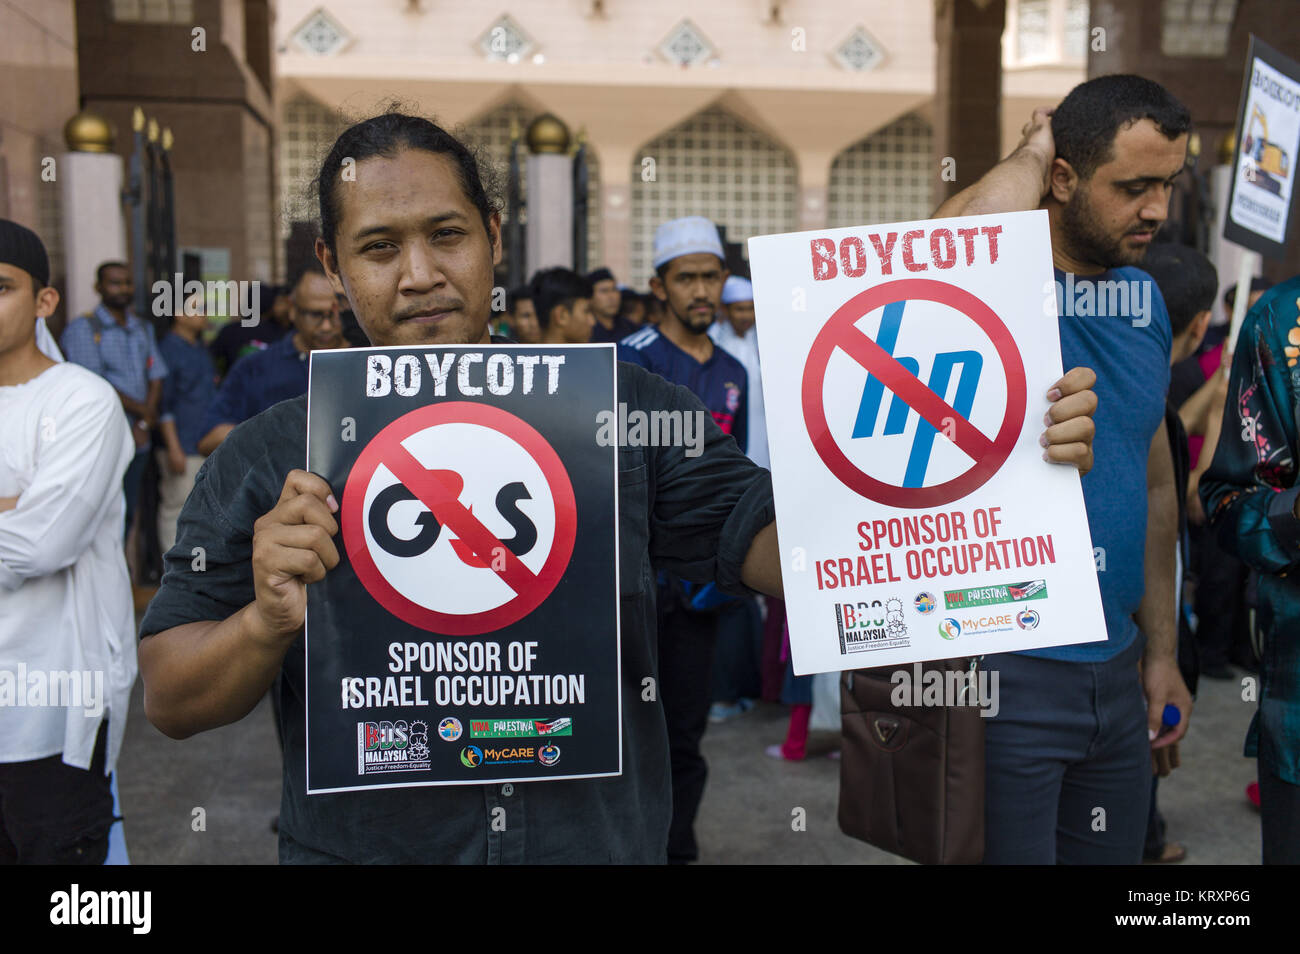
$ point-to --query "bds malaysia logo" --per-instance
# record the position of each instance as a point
(396, 746)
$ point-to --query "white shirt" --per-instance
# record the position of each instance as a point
(65, 596)
(745, 350)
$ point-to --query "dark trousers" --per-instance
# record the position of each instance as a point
(737, 657)
(1222, 621)
(1068, 762)
(131, 482)
(54, 814)
(1279, 819)
(773, 666)
(686, 643)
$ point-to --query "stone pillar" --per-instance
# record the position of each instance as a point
(548, 237)
(94, 229)
(616, 230)
(814, 212)
(968, 88)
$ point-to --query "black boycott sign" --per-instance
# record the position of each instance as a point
(470, 632)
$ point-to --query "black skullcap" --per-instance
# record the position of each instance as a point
(22, 248)
(601, 274)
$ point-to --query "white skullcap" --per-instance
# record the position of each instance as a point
(737, 289)
(686, 237)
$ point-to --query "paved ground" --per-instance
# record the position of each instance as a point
(234, 775)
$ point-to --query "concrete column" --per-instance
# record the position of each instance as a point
(968, 88)
(94, 229)
(616, 226)
(548, 238)
(813, 207)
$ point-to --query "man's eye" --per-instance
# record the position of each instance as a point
(377, 246)
(446, 233)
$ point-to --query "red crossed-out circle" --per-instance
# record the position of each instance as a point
(840, 332)
(386, 448)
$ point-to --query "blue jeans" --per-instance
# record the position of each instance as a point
(1068, 762)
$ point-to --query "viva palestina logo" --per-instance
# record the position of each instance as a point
(992, 595)
(519, 728)
(397, 746)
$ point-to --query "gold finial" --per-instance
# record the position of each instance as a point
(137, 119)
(547, 134)
(87, 132)
(514, 128)
(1228, 149)
(167, 139)
(153, 130)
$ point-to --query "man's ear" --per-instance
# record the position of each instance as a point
(657, 286)
(330, 264)
(47, 299)
(1064, 180)
(1199, 326)
(494, 236)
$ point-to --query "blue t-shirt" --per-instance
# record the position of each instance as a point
(189, 388)
(258, 381)
(1127, 341)
(720, 383)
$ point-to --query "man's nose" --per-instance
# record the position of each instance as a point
(420, 270)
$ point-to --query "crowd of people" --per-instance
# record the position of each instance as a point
(1199, 527)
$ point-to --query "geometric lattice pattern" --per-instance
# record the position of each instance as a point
(716, 166)
(152, 11)
(886, 177)
(1197, 27)
(859, 51)
(321, 34)
(307, 131)
(685, 45)
(505, 40)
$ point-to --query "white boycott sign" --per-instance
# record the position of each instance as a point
(905, 372)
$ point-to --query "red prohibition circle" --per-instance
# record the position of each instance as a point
(458, 624)
(838, 330)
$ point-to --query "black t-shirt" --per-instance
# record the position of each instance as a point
(234, 341)
(695, 516)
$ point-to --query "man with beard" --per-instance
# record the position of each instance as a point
(1079, 731)
(412, 241)
(690, 270)
(120, 346)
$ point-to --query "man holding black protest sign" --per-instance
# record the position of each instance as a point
(412, 241)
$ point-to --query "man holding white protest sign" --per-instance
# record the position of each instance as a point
(1070, 756)
(412, 240)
